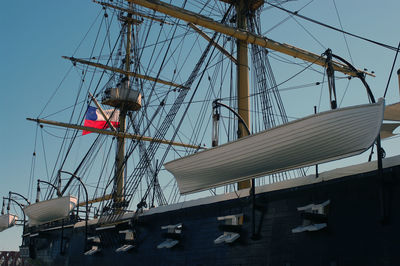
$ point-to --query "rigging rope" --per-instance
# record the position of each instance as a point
(286, 19)
(344, 35)
(391, 71)
(67, 150)
(45, 157)
(334, 28)
(134, 179)
(33, 165)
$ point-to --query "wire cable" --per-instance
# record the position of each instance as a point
(391, 71)
(334, 28)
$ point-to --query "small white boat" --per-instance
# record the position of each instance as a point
(50, 210)
(319, 138)
(7, 221)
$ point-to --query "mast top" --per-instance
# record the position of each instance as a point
(253, 4)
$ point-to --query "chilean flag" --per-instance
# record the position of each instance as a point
(95, 119)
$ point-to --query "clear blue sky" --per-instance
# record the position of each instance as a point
(35, 34)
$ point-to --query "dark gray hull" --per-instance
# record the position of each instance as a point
(363, 228)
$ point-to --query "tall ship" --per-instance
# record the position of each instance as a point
(176, 148)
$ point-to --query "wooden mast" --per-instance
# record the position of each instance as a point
(243, 90)
(119, 181)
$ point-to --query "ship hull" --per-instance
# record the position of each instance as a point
(362, 228)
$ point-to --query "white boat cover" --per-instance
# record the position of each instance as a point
(50, 210)
(7, 220)
(392, 112)
(315, 139)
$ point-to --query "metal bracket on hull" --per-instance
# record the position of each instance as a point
(124, 248)
(314, 217)
(94, 241)
(172, 236)
(231, 228)
(128, 241)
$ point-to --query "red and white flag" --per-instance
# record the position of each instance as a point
(95, 119)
